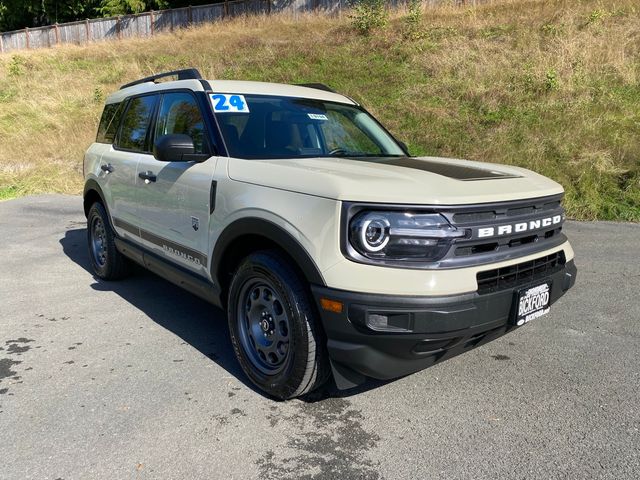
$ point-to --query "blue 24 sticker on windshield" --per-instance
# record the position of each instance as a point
(226, 103)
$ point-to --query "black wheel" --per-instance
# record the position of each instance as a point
(107, 262)
(274, 326)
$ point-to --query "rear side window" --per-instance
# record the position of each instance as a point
(179, 113)
(109, 122)
(135, 124)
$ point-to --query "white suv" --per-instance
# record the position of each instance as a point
(332, 249)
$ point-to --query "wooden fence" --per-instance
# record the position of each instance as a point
(148, 23)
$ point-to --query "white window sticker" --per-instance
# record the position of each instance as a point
(227, 103)
(317, 116)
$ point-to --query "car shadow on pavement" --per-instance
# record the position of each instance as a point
(200, 324)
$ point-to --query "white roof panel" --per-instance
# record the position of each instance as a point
(276, 89)
(233, 86)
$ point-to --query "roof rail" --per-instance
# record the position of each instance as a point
(317, 86)
(185, 74)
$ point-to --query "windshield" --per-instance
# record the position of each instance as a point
(285, 127)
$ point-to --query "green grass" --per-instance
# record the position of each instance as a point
(7, 193)
(549, 86)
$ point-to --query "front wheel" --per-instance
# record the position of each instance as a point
(274, 327)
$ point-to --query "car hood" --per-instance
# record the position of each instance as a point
(407, 180)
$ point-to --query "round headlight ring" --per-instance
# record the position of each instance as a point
(374, 234)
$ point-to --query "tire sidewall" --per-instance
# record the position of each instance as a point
(284, 383)
(98, 211)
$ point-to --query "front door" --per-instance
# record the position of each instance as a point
(173, 199)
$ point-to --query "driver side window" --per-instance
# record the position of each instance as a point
(179, 113)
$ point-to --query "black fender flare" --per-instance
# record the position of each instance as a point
(92, 185)
(274, 233)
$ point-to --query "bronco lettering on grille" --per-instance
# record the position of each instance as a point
(486, 232)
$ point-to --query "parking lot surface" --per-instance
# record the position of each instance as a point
(137, 379)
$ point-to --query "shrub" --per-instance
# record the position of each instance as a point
(98, 95)
(597, 15)
(413, 19)
(16, 65)
(369, 15)
(551, 80)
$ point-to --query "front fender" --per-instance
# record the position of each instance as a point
(273, 232)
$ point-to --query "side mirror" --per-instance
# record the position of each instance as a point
(174, 148)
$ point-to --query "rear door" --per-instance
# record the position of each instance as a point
(131, 144)
(115, 170)
(174, 207)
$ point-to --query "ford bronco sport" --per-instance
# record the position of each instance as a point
(333, 251)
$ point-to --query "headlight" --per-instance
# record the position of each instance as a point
(397, 235)
(373, 233)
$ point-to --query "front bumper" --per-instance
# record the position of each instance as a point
(421, 331)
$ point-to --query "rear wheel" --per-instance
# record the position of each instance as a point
(107, 262)
(275, 330)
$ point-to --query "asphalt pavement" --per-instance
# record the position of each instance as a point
(136, 379)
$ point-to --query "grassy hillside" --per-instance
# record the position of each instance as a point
(553, 86)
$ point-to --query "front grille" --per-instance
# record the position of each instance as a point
(512, 215)
(520, 274)
(491, 215)
(503, 243)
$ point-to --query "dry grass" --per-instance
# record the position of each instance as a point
(549, 85)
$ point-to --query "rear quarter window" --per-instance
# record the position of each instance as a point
(109, 123)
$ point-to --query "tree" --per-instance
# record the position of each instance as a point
(15, 14)
(122, 7)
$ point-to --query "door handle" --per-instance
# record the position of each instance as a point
(108, 168)
(147, 176)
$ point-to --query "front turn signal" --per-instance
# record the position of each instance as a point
(331, 305)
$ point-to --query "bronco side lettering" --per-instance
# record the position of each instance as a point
(178, 253)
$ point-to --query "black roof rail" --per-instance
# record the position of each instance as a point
(317, 86)
(185, 74)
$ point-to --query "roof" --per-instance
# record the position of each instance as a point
(232, 86)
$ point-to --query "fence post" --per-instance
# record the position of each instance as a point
(151, 22)
(57, 30)
(226, 8)
(88, 30)
(118, 28)
(268, 7)
(26, 34)
(189, 17)
(1, 44)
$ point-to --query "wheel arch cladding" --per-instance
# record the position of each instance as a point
(92, 193)
(248, 235)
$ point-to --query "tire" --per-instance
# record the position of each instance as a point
(107, 262)
(270, 310)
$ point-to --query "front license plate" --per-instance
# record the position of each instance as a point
(532, 302)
